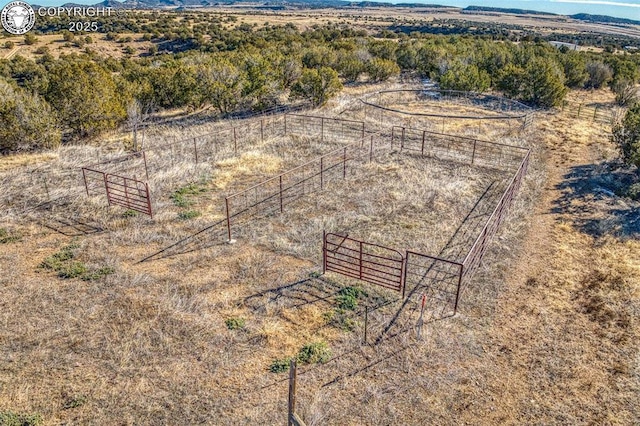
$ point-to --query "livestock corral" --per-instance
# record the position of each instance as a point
(176, 283)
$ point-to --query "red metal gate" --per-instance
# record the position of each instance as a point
(368, 262)
(127, 192)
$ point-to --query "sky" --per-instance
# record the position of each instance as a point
(629, 9)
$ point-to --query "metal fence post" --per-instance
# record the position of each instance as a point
(344, 163)
(84, 177)
(422, 148)
(371, 150)
(321, 172)
(322, 129)
(402, 140)
(195, 150)
(292, 391)
(146, 169)
(366, 320)
(285, 124)
(324, 252)
(455, 306)
(262, 130)
(281, 209)
(235, 141)
(226, 203)
(146, 188)
(473, 154)
(106, 188)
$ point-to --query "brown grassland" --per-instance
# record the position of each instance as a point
(546, 332)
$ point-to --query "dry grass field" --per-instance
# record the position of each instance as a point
(545, 332)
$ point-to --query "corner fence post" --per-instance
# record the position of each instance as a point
(455, 306)
(106, 188)
(84, 177)
(226, 203)
(146, 188)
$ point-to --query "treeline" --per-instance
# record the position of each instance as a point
(248, 68)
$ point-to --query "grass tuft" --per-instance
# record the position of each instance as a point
(9, 418)
(235, 323)
(189, 214)
(6, 238)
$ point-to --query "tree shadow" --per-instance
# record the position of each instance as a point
(593, 196)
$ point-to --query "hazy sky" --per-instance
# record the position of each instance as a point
(621, 8)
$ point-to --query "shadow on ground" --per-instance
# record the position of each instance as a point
(593, 195)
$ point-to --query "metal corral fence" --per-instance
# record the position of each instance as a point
(218, 145)
(593, 112)
(499, 108)
(274, 194)
(457, 148)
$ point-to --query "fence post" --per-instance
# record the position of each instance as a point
(344, 163)
(235, 141)
(422, 149)
(371, 150)
(402, 140)
(262, 130)
(579, 108)
(281, 209)
(84, 177)
(146, 169)
(393, 128)
(226, 203)
(146, 188)
(324, 252)
(455, 306)
(292, 391)
(362, 132)
(106, 188)
(360, 260)
(473, 154)
(595, 111)
(321, 129)
(405, 267)
(366, 320)
(195, 150)
(321, 171)
(285, 124)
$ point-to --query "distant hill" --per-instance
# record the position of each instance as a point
(604, 19)
(507, 10)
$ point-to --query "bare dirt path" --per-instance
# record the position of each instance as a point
(560, 350)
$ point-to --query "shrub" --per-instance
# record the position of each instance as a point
(313, 353)
(467, 78)
(189, 214)
(182, 197)
(280, 365)
(6, 238)
(599, 75)
(381, 69)
(9, 44)
(348, 298)
(9, 418)
(626, 135)
(317, 85)
(234, 323)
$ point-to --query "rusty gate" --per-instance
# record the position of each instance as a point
(123, 191)
(368, 262)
